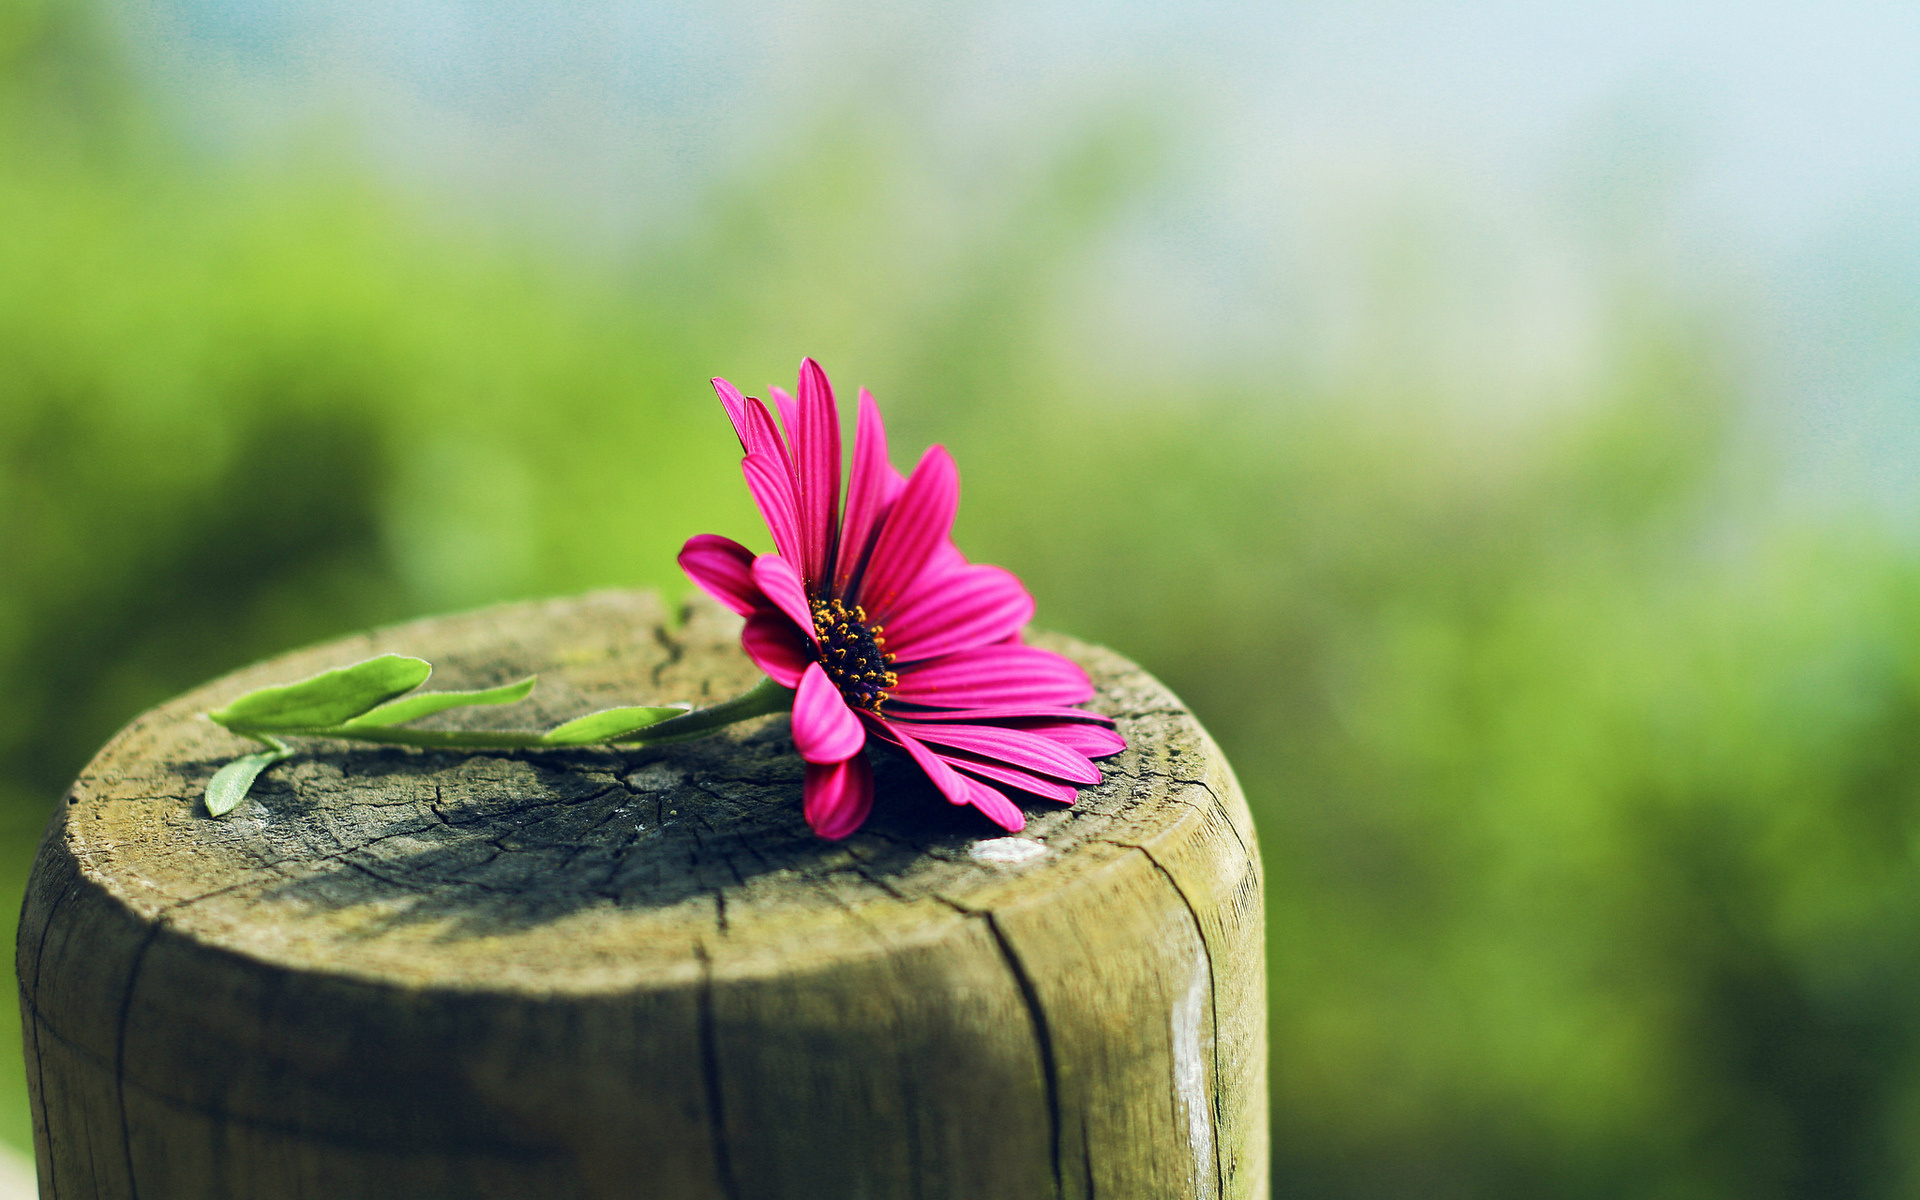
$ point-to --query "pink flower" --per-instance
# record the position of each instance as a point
(883, 629)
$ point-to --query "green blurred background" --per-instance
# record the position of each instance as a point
(1499, 427)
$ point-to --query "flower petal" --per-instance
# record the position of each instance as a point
(975, 606)
(739, 411)
(941, 566)
(816, 455)
(775, 646)
(992, 675)
(943, 776)
(824, 728)
(789, 418)
(1090, 740)
(917, 525)
(781, 584)
(870, 492)
(1001, 712)
(724, 568)
(957, 788)
(838, 796)
(994, 803)
(771, 481)
(1015, 746)
(752, 424)
(1026, 781)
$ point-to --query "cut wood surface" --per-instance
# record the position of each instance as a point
(602, 973)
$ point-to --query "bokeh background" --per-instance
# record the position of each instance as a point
(1498, 420)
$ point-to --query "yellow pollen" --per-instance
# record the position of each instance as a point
(853, 653)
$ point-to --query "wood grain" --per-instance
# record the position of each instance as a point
(599, 973)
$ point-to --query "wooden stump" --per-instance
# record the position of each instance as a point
(593, 973)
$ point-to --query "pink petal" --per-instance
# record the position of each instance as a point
(1015, 746)
(917, 525)
(1003, 712)
(992, 675)
(725, 569)
(751, 422)
(775, 646)
(1090, 740)
(1026, 781)
(824, 728)
(816, 451)
(838, 796)
(783, 404)
(736, 406)
(941, 567)
(975, 606)
(781, 584)
(957, 788)
(943, 776)
(869, 493)
(771, 483)
(994, 803)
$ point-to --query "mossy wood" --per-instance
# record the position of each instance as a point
(612, 974)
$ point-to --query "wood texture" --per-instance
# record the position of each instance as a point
(636, 974)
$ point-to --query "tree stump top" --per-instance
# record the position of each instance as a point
(592, 870)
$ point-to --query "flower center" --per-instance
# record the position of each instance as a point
(854, 655)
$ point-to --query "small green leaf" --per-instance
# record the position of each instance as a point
(328, 698)
(231, 783)
(608, 725)
(422, 704)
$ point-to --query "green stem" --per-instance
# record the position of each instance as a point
(763, 698)
(444, 739)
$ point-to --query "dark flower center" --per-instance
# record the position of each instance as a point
(854, 655)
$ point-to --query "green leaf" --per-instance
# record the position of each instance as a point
(607, 725)
(422, 704)
(231, 783)
(328, 698)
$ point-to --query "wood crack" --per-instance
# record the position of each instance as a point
(1043, 1039)
(39, 1027)
(120, 1054)
(1213, 1008)
(710, 1070)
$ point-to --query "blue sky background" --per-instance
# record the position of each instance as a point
(1762, 159)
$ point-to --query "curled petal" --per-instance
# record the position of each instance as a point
(824, 728)
(724, 568)
(737, 412)
(838, 796)
(752, 424)
(775, 646)
(781, 585)
(992, 676)
(918, 524)
(975, 606)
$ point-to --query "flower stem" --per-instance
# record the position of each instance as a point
(763, 698)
